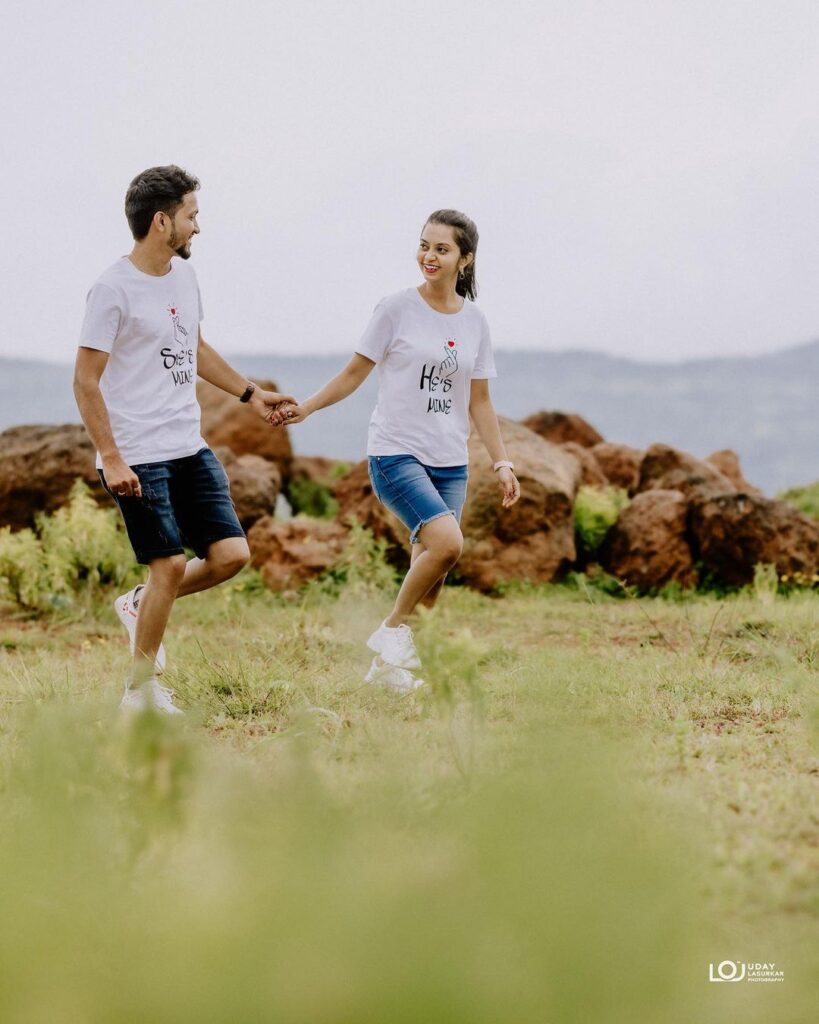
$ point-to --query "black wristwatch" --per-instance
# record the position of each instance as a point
(247, 393)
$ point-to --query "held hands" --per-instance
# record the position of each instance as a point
(269, 405)
(509, 485)
(288, 414)
(121, 479)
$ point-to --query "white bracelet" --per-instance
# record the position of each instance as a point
(503, 464)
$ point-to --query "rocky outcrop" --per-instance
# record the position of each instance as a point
(254, 484)
(735, 532)
(727, 463)
(665, 468)
(318, 470)
(292, 553)
(356, 500)
(228, 423)
(38, 467)
(647, 547)
(591, 475)
(533, 540)
(619, 463)
(560, 427)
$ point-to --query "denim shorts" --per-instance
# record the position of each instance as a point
(417, 493)
(185, 503)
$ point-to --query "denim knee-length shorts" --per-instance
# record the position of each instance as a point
(184, 502)
(417, 493)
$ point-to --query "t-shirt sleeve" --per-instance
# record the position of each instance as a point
(485, 360)
(377, 337)
(103, 315)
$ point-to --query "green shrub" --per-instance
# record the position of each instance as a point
(310, 498)
(595, 512)
(806, 499)
(81, 548)
(363, 565)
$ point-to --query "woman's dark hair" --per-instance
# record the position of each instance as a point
(159, 189)
(466, 238)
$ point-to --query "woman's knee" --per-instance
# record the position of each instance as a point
(445, 542)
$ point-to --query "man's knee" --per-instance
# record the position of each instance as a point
(227, 557)
(168, 571)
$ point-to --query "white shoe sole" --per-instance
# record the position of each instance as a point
(399, 680)
(128, 618)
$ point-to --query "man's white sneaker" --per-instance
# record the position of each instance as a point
(398, 679)
(127, 613)
(395, 646)
(132, 700)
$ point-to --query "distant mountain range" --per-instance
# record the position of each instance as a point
(763, 407)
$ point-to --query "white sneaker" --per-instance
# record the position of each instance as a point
(132, 700)
(127, 614)
(162, 698)
(395, 646)
(398, 679)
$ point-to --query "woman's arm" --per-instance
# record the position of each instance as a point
(340, 387)
(486, 421)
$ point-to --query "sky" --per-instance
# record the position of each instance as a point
(643, 174)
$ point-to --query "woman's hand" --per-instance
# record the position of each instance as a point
(509, 485)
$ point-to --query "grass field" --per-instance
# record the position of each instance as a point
(591, 801)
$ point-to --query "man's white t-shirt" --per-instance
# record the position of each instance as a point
(426, 361)
(150, 327)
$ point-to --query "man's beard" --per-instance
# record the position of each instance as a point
(181, 250)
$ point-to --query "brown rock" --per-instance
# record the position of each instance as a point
(319, 470)
(665, 468)
(591, 475)
(619, 463)
(38, 467)
(226, 422)
(254, 484)
(648, 547)
(355, 498)
(560, 427)
(735, 532)
(290, 554)
(727, 463)
(534, 540)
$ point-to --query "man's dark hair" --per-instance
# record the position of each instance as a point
(159, 189)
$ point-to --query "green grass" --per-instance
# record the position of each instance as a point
(591, 801)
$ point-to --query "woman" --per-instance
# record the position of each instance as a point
(434, 358)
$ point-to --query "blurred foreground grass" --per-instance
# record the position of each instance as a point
(591, 801)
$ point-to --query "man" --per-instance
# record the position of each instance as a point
(140, 351)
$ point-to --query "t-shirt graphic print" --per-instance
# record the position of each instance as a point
(426, 362)
(150, 328)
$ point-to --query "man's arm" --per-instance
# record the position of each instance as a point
(87, 372)
(213, 368)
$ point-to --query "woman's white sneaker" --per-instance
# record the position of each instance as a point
(400, 680)
(126, 606)
(395, 645)
(150, 694)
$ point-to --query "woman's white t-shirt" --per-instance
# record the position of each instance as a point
(426, 361)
